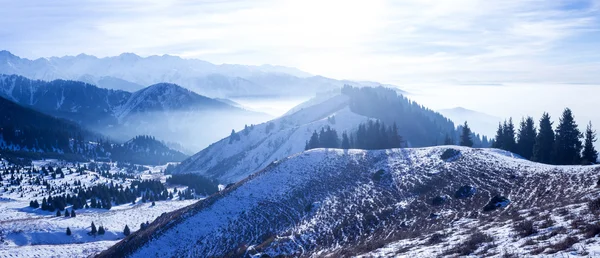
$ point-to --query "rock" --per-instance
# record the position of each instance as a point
(450, 154)
(465, 191)
(439, 200)
(496, 202)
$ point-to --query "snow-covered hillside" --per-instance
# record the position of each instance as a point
(232, 160)
(32, 232)
(428, 202)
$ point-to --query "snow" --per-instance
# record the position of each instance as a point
(337, 184)
(231, 162)
(29, 232)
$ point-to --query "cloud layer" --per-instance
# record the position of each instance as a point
(460, 41)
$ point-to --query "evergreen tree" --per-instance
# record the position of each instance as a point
(465, 137)
(94, 231)
(567, 146)
(590, 155)
(58, 213)
(73, 215)
(126, 231)
(345, 141)
(68, 231)
(313, 143)
(101, 230)
(508, 133)
(544, 141)
(67, 214)
(448, 140)
(526, 138)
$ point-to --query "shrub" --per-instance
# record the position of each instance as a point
(377, 176)
(525, 228)
(594, 205)
(471, 244)
(449, 153)
(436, 239)
(564, 244)
(592, 230)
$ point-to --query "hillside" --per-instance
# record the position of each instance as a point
(233, 158)
(479, 122)
(145, 150)
(123, 115)
(23, 130)
(391, 202)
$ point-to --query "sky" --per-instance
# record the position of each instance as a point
(464, 42)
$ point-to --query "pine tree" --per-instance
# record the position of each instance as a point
(58, 213)
(544, 141)
(590, 155)
(73, 215)
(465, 137)
(448, 140)
(345, 141)
(567, 146)
(94, 231)
(526, 138)
(508, 133)
(499, 139)
(68, 231)
(126, 231)
(101, 230)
(67, 214)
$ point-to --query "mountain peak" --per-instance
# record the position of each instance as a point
(6, 54)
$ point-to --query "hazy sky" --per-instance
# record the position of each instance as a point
(462, 41)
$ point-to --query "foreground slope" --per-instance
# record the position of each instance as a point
(347, 202)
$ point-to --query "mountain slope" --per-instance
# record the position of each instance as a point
(145, 150)
(26, 130)
(346, 202)
(164, 110)
(234, 158)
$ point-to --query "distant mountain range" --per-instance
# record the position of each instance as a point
(130, 72)
(164, 110)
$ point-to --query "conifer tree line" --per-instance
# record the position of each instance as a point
(372, 135)
(560, 146)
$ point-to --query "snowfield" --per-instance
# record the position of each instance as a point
(262, 144)
(29, 232)
(398, 202)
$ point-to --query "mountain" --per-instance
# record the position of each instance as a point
(129, 72)
(437, 201)
(122, 115)
(483, 123)
(145, 150)
(235, 157)
(27, 133)
(31, 133)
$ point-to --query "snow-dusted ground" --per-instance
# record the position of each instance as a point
(271, 141)
(29, 232)
(379, 203)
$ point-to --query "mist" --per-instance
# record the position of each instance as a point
(192, 130)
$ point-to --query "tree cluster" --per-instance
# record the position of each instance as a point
(559, 146)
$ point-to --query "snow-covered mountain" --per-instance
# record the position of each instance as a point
(130, 72)
(122, 115)
(437, 201)
(235, 157)
(480, 122)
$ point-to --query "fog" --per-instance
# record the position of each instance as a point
(271, 106)
(192, 130)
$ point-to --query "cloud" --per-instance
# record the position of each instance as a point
(390, 41)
